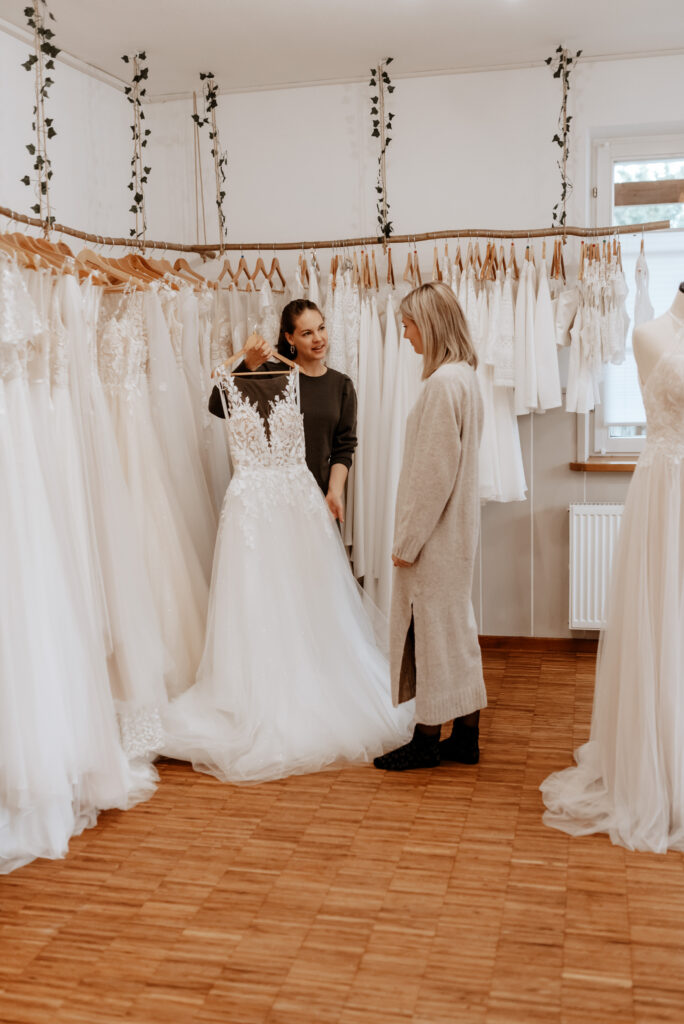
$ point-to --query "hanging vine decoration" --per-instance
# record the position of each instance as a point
(210, 92)
(381, 122)
(564, 66)
(40, 62)
(135, 92)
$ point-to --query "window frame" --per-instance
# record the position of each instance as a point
(606, 152)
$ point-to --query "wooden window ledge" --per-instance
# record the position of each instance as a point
(606, 464)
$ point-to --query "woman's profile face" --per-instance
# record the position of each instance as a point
(310, 336)
(412, 334)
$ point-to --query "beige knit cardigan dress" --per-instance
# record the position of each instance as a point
(434, 652)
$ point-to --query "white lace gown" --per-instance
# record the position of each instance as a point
(629, 777)
(291, 680)
(176, 575)
(61, 759)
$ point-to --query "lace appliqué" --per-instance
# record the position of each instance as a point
(269, 460)
(141, 731)
(664, 403)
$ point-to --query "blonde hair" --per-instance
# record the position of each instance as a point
(437, 314)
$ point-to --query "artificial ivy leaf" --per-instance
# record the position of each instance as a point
(133, 209)
(130, 185)
(148, 131)
(390, 88)
(147, 170)
(389, 60)
(25, 180)
(43, 188)
(51, 133)
(28, 12)
(125, 58)
(31, 148)
(36, 208)
(142, 55)
(375, 134)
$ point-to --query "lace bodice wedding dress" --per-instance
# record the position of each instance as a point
(291, 679)
(629, 778)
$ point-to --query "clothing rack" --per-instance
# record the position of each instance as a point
(340, 243)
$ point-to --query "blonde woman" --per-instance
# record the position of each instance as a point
(435, 654)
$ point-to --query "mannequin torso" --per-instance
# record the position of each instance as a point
(653, 339)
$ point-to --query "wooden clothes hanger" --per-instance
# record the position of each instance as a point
(436, 269)
(416, 266)
(513, 262)
(375, 272)
(304, 269)
(409, 270)
(225, 269)
(242, 268)
(259, 268)
(390, 268)
(275, 269)
(254, 373)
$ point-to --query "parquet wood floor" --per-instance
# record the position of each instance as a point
(356, 897)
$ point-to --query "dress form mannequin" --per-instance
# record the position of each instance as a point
(653, 339)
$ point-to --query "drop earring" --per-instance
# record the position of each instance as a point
(293, 350)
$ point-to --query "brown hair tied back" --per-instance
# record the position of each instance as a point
(288, 322)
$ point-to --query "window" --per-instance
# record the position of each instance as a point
(639, 180)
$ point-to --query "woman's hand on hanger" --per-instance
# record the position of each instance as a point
(257, 352)
(399, 563)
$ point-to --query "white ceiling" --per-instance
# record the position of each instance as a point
(251, 44)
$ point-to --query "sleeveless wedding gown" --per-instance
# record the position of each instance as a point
(629, 777)
(291, 680)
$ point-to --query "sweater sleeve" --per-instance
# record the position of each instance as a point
(215, 403)
(344, 439)
(429, 471)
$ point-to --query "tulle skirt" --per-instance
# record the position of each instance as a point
(629, 777)
(61, 759)
(292, 678)
(178, 583)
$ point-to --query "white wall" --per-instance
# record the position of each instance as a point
(469, 150)
(90, 155)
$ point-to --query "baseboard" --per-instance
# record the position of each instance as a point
(571, 644)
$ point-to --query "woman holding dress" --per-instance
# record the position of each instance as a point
(293, 678)
(434, 653)
(328, 398)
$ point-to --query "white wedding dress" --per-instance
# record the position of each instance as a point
(291, 680)
(629, 778)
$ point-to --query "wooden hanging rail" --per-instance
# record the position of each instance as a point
(342, 243)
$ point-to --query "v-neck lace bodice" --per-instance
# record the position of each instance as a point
(258, 444)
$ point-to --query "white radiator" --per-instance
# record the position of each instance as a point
(593, 532)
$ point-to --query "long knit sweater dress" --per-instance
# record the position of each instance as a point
(435, 654)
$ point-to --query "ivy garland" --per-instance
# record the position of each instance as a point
(41, 61)
(381, 122)
(139, 172)
(210, 90)
(564, 66)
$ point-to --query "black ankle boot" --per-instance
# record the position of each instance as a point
(421, 752)
(462, 746)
